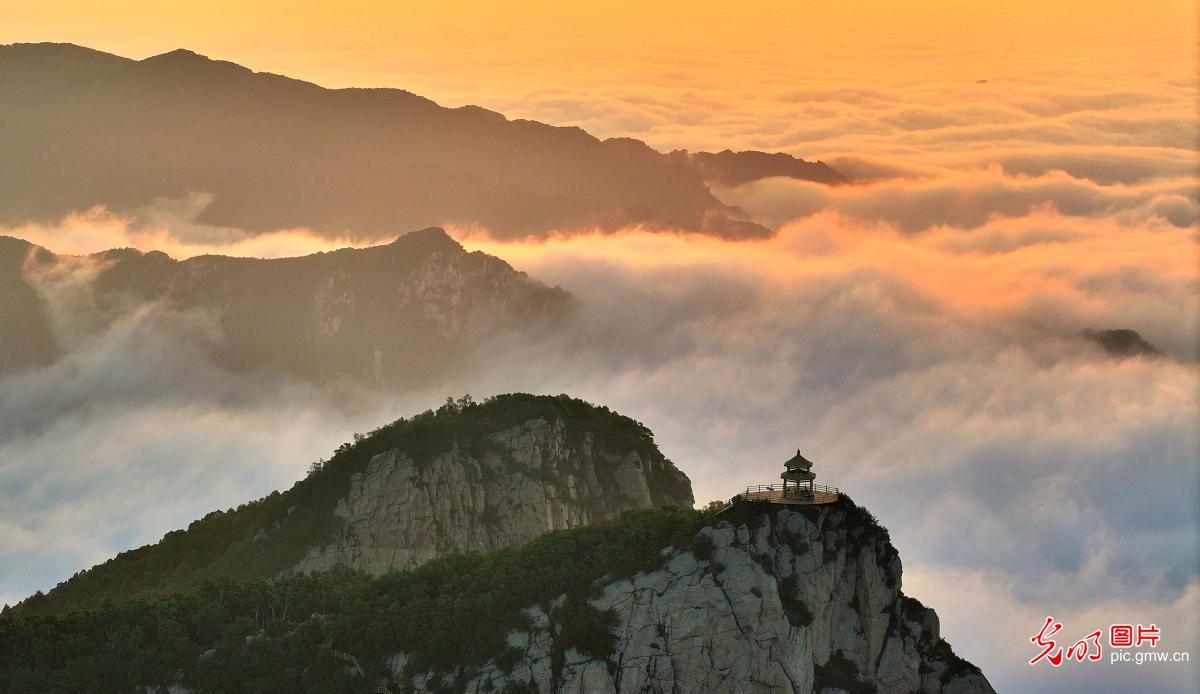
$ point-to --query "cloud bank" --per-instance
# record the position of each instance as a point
(939, 377)
(170, 226)
(943, 386)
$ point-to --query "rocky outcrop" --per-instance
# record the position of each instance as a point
(774, 601)
(539, 475)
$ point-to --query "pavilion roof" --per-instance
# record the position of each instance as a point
(798, 461)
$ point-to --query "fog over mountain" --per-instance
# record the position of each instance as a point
(81, 128)
(398, 315)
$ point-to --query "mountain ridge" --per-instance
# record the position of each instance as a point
(508, 469)
(277, 152)
(396, 315)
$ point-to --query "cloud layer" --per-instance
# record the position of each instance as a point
(939, 377)
(945, 388)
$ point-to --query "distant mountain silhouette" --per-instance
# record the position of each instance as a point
(1122, 342)
(738, 168)
(396, 315)
(80, 128)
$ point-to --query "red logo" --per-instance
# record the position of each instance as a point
(1047, 644)
(1089, 647)
(1086, 648)
(1120, 636)
(1149, 633)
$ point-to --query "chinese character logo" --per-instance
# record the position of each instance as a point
(1086, 648)
(1047, 644)
(1120, 636)
(1149, 633)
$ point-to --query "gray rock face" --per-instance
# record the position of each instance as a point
(783, 603)
(537, 476)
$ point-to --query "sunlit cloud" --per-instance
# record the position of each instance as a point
(169, 226)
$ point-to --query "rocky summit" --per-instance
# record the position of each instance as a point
(772, 600)
(541, 474)
(466, 477)
(523, 544)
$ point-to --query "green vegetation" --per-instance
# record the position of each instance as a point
(268, 536)
(580, 626)
(280, 635)
(955, 665)
(752, 514)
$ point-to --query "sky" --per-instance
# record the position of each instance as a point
(1025, 170)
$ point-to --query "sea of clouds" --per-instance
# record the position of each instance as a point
(915, 333)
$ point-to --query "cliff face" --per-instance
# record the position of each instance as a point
(781, 601)
(536, 476)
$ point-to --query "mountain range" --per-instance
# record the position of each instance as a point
(81, 128)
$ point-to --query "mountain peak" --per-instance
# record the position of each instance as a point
(427, 234)
(191, 62)
(177, 55)
(518, 454)
(1122, 342)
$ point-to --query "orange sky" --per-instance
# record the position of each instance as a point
(497, 54)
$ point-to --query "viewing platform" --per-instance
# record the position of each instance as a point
(788, 494)
(796, 489)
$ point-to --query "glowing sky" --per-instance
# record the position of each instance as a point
(695, 74)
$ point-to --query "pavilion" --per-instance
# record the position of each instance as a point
(798, 486)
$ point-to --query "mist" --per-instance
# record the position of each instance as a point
(986, 434)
